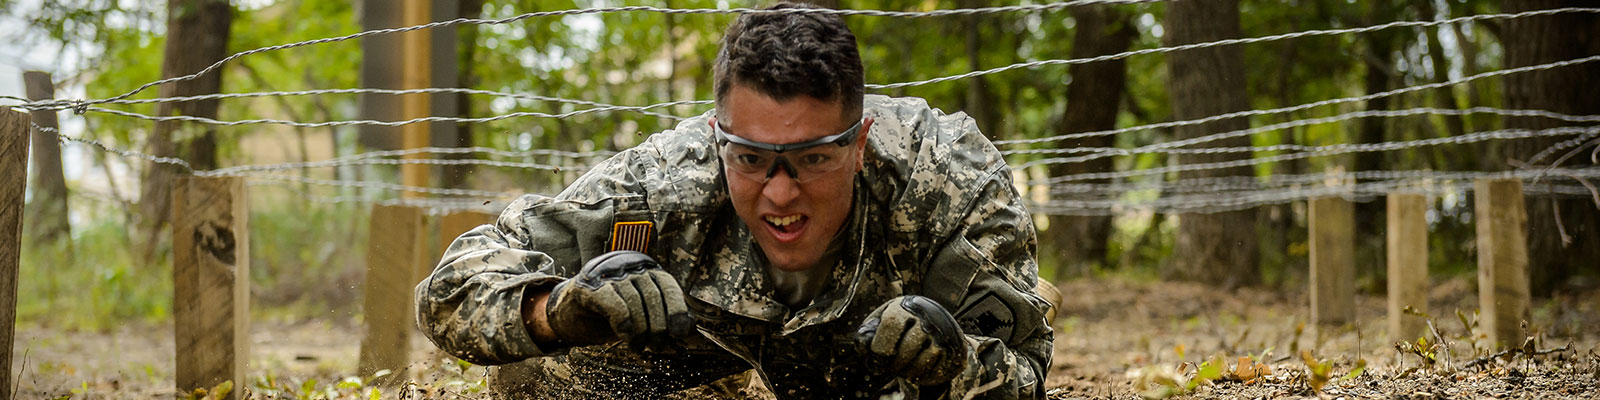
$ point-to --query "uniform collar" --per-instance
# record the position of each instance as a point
(848, 272)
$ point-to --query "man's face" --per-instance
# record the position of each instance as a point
(793, 220)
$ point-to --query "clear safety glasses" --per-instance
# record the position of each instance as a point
(803, 161)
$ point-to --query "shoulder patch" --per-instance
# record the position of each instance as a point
(634, 236)
(988, 316)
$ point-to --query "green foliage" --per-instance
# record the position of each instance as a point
(350, 387)
(92, 282)
(639, 58)
(304, 256)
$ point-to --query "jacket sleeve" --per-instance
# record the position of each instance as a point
(1010, 342)
(470, 305)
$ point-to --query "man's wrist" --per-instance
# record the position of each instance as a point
(535, 317)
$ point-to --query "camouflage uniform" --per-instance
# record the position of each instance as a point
(935, 214)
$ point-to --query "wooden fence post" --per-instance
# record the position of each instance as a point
(1332, 231)
(1502, 259)
(417, 53)
(211, 282)
(1407, 264)
(14, 127)
(394, 251)
(454, 224)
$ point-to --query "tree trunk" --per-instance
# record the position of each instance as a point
(1569, 90)
(1444, 97)
(1218, 248)
(380, 69)
(1379, 68)
(980, 100)
(197, 36)
(1078, 243)
(47, 210)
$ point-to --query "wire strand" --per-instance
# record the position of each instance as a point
(477, 21)
(1331, 150)
(81, 104)
(1169, 147)
(1305, 106)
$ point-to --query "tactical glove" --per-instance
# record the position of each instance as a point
(616, 296)
(916, 338)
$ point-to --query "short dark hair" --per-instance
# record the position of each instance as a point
(787, 54)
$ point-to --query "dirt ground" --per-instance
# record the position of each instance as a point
(1116, 338)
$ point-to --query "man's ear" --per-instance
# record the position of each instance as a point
(861, 143)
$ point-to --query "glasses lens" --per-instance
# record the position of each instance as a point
(747, 160)
(820, 159)
(810, 162)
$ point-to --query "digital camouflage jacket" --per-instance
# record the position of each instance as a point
(935, 215)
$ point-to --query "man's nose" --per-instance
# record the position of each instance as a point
(781, 188)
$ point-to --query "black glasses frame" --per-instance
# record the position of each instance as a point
(842, 139)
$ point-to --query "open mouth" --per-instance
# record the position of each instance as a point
(786, 228)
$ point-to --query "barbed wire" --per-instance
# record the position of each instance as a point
(222, 96)
(433, 206)
(324, 124)
(366, 159)
(113, 149)
(1171, 146)
(1301, 107)
(1328, 151)
(386, 161)
(1239, 182)
(373, 185)
(1059, 181)
(479, 21)
(81, 105)
(1225, 42)
(1161, 125)
(1232, 201)
(1222, 194)
(1570, 143)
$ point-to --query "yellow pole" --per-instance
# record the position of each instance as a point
(417, 49)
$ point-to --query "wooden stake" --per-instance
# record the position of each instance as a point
(211, 282)
(454, 224)
(1332, 261)
(1408, 265)
(394, 251)
(1502, 259)
(415, 75)
(14, 127)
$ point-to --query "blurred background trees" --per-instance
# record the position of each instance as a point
(106, 47)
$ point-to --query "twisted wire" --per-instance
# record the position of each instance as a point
(1226, 42)
(372, 185)
(313, 92)
(1169, 147)
(1301, 107)
(114, 150)
(478, 21)
(212, 121)
(1219, 202)
(82, 104)
(1330, 150)
(1237, 182)
(368, 159)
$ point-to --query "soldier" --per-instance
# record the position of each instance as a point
(839, 245)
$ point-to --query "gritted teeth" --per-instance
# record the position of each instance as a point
(782, 221)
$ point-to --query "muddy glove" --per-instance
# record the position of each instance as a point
(617, 296)
(916, 338)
